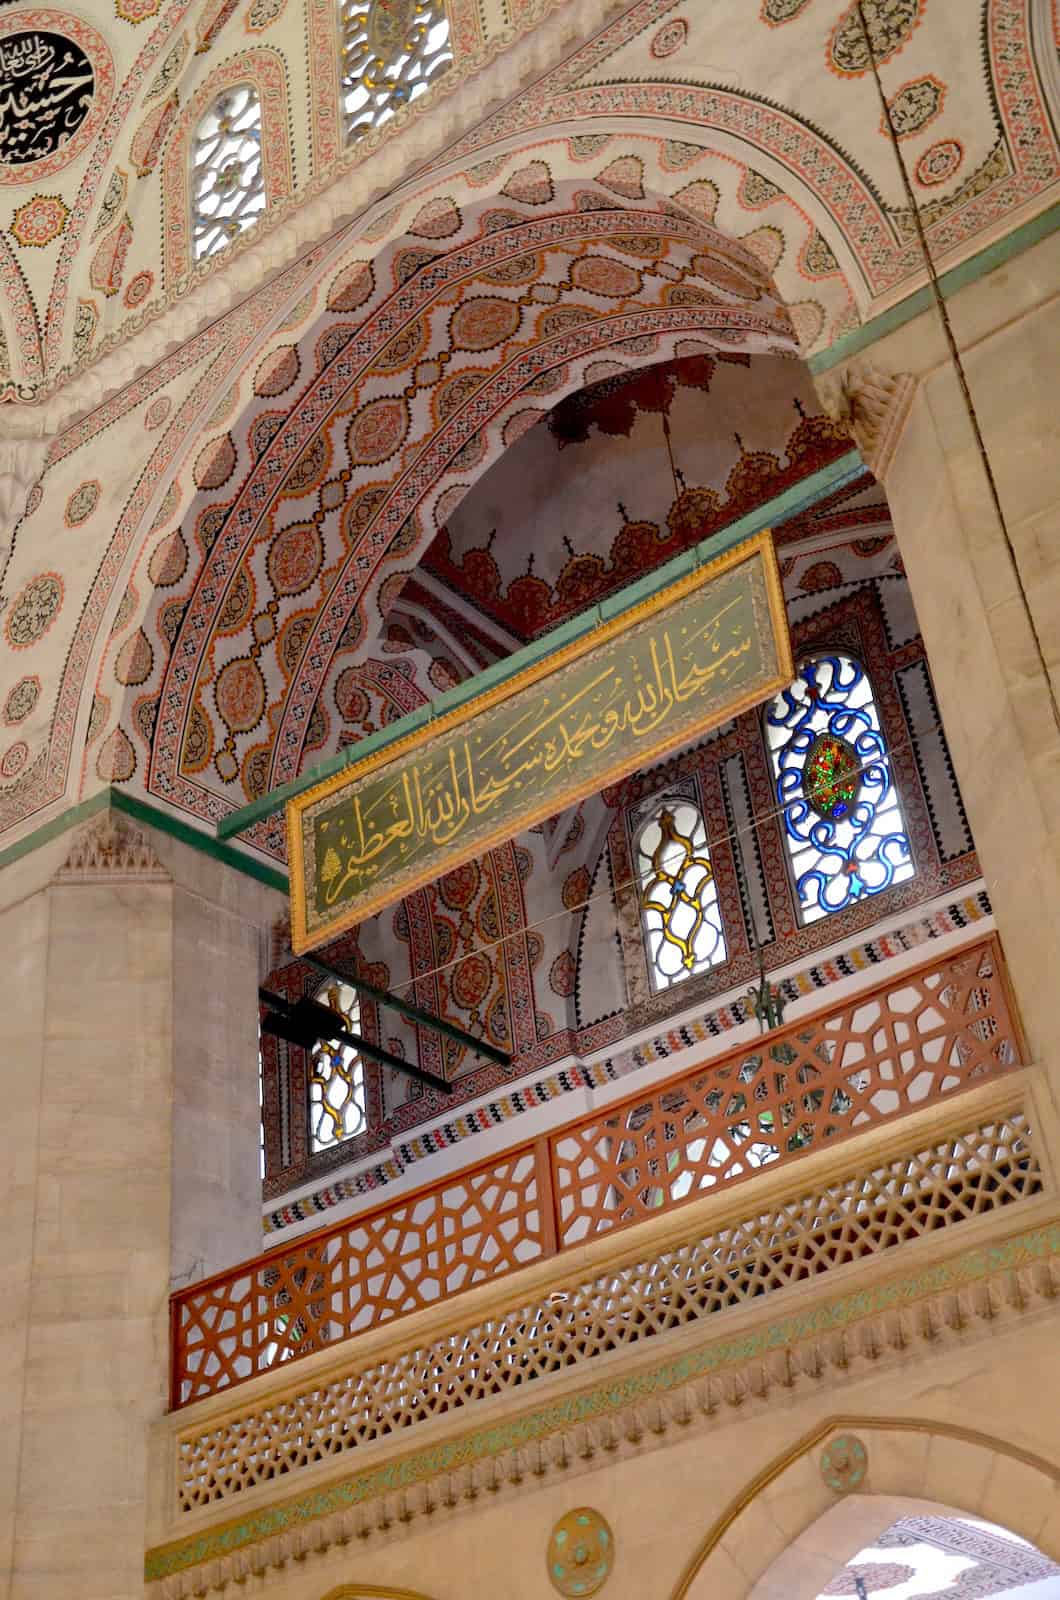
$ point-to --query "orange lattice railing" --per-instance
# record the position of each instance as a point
(895, 1048)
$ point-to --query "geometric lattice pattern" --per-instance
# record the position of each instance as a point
(887, 1051)
(966, 1175)
(227, 177)
(409, 1254)
(895, 1049)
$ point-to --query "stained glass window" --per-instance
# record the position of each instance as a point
(842, 816)
(228, 190)
(678, 894)
(391, 52)
(336, 1076)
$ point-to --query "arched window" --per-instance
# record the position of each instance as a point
(678, 895)
(336, 1077)
(842, 818)
(228, 187)
(390, 54)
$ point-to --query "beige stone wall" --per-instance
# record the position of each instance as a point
(992, 691)
(128, 1095)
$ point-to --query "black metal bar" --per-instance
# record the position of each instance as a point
(364, 1047)
(375, 1052)
(415, 1013)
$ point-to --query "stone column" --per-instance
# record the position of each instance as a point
(128, 1153)
(910, 418)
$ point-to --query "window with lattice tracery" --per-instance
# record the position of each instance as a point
(391, 52)
(842, 817)
(336, 1076)
(228, 189)
(679, 907)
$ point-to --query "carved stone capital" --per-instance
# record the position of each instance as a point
(873, 405)
(110, 848)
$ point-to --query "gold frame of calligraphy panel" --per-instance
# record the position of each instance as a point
(664, 672)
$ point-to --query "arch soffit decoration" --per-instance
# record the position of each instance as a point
(264, 69)
(908, 1459)
(736, 311)
(129, 538)
(1023, 86)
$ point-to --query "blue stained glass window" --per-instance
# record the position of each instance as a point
(842, 817)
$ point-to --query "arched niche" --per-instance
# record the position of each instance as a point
(787, 1531)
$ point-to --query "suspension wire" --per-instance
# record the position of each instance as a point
(731, 837)
(956, 358)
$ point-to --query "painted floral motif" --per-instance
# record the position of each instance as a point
(86, 321)
(34, 610)
(563, 974)
(14, 759)
(21, 700)
(116, 761)
(150, 136)
(138, 290)
(113, 200)
(914, 106)
(169, 70)
(774, 12)
(262, 13)
(670, 37)
(211, 22)
(240, 694)
(108, 263)
(136, 11)
(890, 25)
(157, 412)
(940, 163)
(39, 221)
(82, 503)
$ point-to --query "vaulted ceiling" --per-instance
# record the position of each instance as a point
(270, 482)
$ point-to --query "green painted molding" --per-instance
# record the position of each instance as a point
(950, 283)
(973, 1267)
(798, 498)
(151, 816)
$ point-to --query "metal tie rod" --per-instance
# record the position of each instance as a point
(415, 1013)
(364, 1047)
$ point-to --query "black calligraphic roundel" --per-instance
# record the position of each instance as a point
(46, 87)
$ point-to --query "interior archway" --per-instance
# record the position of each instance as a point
(910, 1467)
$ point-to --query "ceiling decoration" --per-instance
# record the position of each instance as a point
(304, 417)
(743, 429)
(58, 82)
(781, 111)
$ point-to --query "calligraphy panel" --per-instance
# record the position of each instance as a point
(657, 676)
(56, 85)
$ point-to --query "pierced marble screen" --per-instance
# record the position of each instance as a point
(843, 822)
(336, 1076)
(391, 52)
(678, 895)
(228, 189)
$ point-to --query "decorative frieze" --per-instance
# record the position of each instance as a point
(108, 848)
